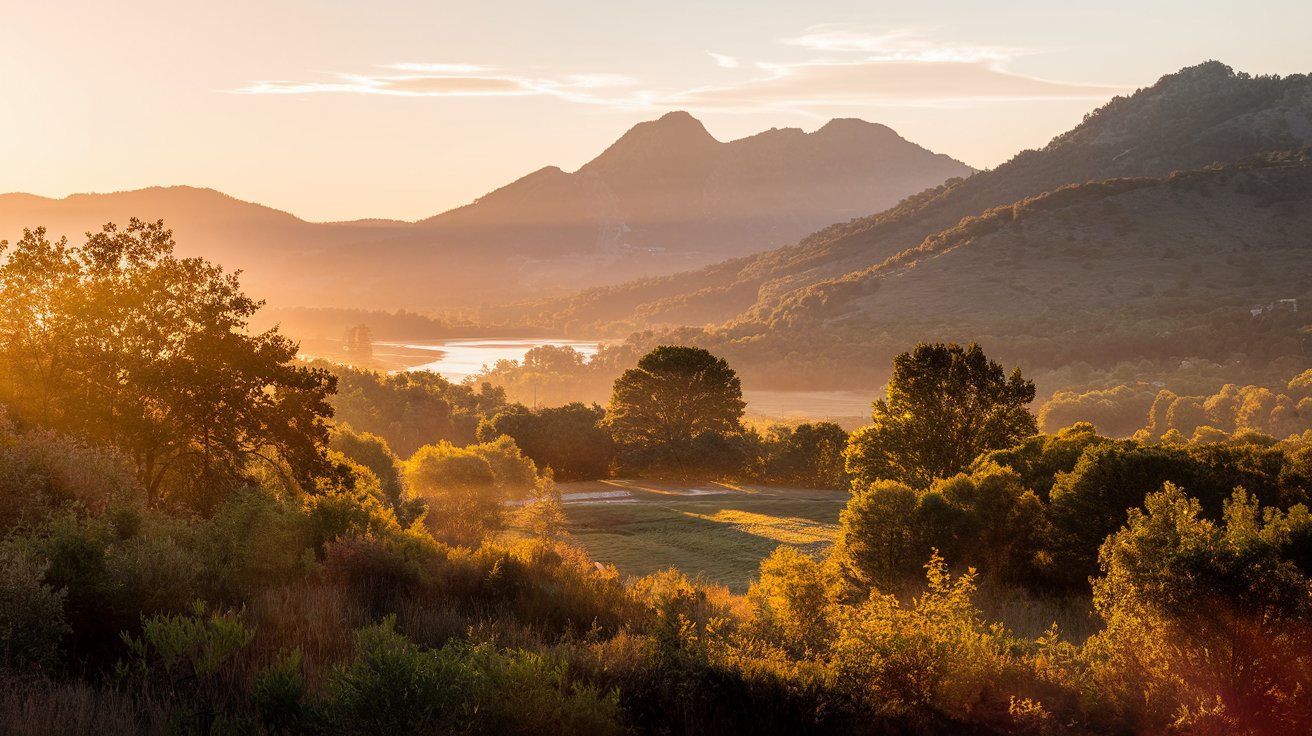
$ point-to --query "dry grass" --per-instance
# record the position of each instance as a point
(311, 616)
(44, 708)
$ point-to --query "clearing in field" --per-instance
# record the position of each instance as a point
(718, 531)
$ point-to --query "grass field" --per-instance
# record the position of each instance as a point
(720, 532)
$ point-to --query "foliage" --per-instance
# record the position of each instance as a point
(1215, 617)
(544, 514)
(373, 452)
(809, 455)
(879, 539)
(282, 698)
(1042, 458)
(394, 686)
(793, 603)
(936, 654)
(514, 474)
(946, 404)
(410, 409)
(986, 519)
(121, 341)
(43, 472)
(566, 439)
(676, 412)
(461, 490)
(31, 614)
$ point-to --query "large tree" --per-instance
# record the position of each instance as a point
(946, 404)
(123, 342)
(677, 411)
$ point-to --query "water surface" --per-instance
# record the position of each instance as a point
(458, 359)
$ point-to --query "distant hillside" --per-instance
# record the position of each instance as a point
(1136, 268)
(1198, 116)
(665, 197)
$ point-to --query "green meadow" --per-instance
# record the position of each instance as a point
(716, 531)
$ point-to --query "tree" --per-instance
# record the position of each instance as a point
(124, 343)
(359, 345)
(372, 452)
(677, 411)
(566, 439)
(879, 542)
(945, 405)
(808, 455)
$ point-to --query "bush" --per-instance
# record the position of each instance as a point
(282, 699)
(31, 614)
(793, 603)
(937, 655)
(41, 472)
(394, 686)
(188, 656)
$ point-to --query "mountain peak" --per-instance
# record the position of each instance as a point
(673, 134)
(853, 124)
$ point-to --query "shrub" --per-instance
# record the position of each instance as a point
(282, 699)
(936, 655)
(187, 657)
(394, 686)
(41, 471)
(792, 603)
(31, 614)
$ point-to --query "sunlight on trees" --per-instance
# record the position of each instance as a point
(945, 405)
(123, 342)
(678, 412)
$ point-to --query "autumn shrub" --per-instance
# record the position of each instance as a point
(935, 657)
(378, 572)
(1207, 623)
(793, 603)
(42, 472)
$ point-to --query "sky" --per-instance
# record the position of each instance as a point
(337, 109)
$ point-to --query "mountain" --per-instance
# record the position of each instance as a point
(665, 197)
(1198, 116)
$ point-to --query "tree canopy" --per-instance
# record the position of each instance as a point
(945, 405)
(675, 410)
(123, 342)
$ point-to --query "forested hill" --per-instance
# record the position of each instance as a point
(665, 197)
(1198, 116)
(1135, 268)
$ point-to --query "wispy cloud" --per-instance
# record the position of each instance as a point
(724, 60)
(807, 85)
(840, 66)
(862, 67)
(900, 44)
(457, 80)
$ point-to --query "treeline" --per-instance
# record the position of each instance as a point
(1162, 415)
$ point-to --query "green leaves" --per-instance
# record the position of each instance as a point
(945, 405)
(674, 411)
(123, 342)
